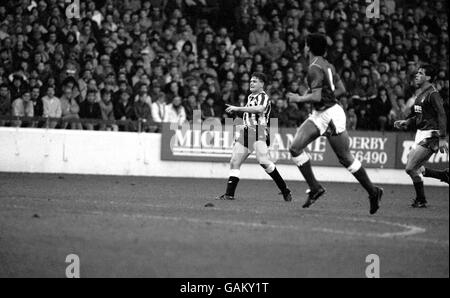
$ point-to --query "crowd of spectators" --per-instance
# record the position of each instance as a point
(158, 61)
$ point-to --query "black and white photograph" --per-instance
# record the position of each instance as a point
(221, 146)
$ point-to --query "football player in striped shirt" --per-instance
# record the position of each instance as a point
(253, 136)
(430, 120)
(328, 119)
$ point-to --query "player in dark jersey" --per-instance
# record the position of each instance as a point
(328, 119)
(253, 136)
(429, 118)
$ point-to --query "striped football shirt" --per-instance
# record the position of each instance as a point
(253, 119)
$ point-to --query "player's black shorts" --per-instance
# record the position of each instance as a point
(431, 144)
(249, 135)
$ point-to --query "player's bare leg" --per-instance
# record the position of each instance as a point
(341, 147)
(306, 134)
(416, 159)
(239, 155)
(262, 155)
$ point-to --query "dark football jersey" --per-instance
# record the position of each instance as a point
(429, 111)
(322, 74)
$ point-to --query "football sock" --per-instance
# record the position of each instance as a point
(278, 180)
(420, 191)
(231, 186)
(308, 174)
(440, 175)
(364, 180)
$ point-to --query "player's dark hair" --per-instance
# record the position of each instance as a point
(260, 76)
(430, 71)
(317, 44)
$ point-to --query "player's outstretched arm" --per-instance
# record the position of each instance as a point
(314, 96)
(253, 110)
(405, 124)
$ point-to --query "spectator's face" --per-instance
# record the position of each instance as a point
(26, 96)
(68, 92)
(35, 93)
(124, 97)
(174, 87)
(176, 101)
(92, 84)
(192, 100)
(194, 89)
(143, 37)
(91, 97)
(294, 86)
(276, 35)
(228, 85)
(280, 104)
(351, 111)
(52, 37)
(143, 90)
(245, 86)
(50, 92)
(106, 97)
(4, 92)
(259, 68)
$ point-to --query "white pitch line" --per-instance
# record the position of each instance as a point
(409, 229)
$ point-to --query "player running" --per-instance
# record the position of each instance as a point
(328, 119)
(253, 136)
(429, 117)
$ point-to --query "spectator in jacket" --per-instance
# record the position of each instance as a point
(37, 101)
(107, 110)
(5, 103)
(89, 109)
(258, 38)
(280, 112)
(210, 109)
(124, 111)
(143, 112)
(191, 104)
(381, 108)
